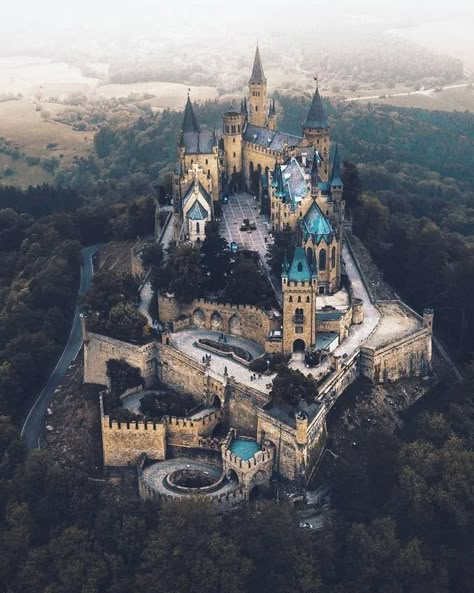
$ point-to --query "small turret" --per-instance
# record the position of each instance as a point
(336, 180)
(428, 317)
(272, 116)
(301, 419)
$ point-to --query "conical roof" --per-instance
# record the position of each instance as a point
(257, 71)
(190, 123)
(316, 119)
(300, 271)
(336, 179)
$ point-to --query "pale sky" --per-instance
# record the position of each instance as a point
(444, 26)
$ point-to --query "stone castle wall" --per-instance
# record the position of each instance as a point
(247, 320)
(405, 358)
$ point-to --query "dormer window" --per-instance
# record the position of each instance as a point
(300, 267)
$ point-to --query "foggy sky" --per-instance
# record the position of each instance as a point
(437, 24)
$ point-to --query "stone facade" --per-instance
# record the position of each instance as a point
(239, 320)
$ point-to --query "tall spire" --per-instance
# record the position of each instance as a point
(316, 118)
(190, 123)
(257, 71)
(336, 179)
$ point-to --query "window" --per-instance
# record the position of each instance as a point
(290, 300)
(207, 162)
(307, 299)
(333, 258)
(238, 129)
(299, 329)
(198, 228)
(299, 299)
(234, 158)
(321, 290)
(227, 129)
(233, 140)
(300, 267)
(322, 259)
(256, 107)
(209, 172)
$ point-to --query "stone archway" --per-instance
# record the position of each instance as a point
(299, 345)
(234, 326)
(216, 402)
(199, 319)
(217, 323)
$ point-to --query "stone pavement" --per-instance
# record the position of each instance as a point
(184, 341)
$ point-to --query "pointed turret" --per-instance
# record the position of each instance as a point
(190, 123)
(316, 119)
(285, 266)
(336, 179)
(257, 71)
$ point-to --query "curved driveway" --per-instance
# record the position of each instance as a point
(33, 425)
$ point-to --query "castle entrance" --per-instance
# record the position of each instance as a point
(299, 346)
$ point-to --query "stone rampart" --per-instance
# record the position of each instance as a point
(247, 320)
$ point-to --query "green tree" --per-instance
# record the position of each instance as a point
(284, 243)
(186, 276)
(125, 322)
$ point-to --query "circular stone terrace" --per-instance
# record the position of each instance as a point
(186, 477)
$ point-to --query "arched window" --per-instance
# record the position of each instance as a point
(290, 300)
(256, 107)
(307, 299)
(207, 162)
(310, 256)
(300, 267)
(322, 259)
(299, 299)
(198, 228)
(333, 258)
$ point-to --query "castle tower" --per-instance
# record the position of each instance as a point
(316, 131)
(233, 126)
(272, 121)
(336, 192)
(299, 286)
(258, 93)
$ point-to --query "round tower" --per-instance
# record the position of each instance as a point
(233, 123)
(301, 420)
(428, 316)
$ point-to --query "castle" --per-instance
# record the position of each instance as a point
(326, 308)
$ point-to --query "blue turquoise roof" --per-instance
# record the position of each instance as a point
(336, 180)
(244, 449)
(197, 211)
(317, 225)
(324, 186)
(300, 270)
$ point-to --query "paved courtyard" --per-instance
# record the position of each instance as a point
(242, 206)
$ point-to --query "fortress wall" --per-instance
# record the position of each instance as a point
(408, 357)
(284, 439)
(339, 326)
(242, 407)
(184, 373)
(247, 320)
(258, 155)
(99, 349)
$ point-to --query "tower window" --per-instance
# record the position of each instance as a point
(333, 257)
(307, 299)
(198, 229)
(238, 129)
(235, 155)
(256, 107)
(227, 129)
(207, 162)
(300, 267)
(299, 299)
(321, 290)
(233, 140)
(322, 259)
(290, 300)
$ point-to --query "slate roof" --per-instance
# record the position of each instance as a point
(300, 270)
(336, 179)
(202, 191)
(193, 139)
(202, 142)
(197, 211)
(257, 71)
(316, 225)
(316, 119)
(294, 182)
(268, 139)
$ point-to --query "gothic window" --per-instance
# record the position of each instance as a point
(300, 267)
(256, 107)
(307, 299)
(207, 162)
(227, 129)
(333, 257)
(234, 158)
(290, 300)
(299, 299)
(233, 140)
(310, 256)
(322, 259)
(198, 228)
(209, 172)
(233, 130)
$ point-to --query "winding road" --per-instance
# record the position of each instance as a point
(33, 425)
